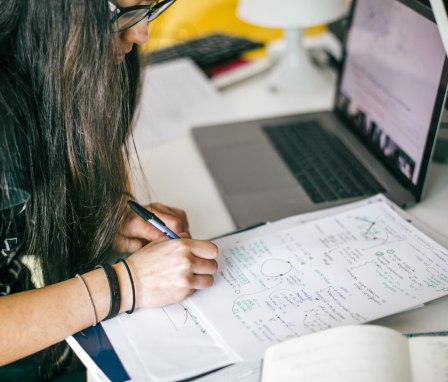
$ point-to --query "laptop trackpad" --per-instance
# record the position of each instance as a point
(248, 168)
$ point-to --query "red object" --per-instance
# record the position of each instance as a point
(226, 67)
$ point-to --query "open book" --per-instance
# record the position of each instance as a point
(347, 265)
(365, 353)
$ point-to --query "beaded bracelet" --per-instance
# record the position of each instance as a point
(114, 286)
(121, 260)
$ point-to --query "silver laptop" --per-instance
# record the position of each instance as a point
(379, 137)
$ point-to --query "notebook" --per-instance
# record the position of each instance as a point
(378, 138)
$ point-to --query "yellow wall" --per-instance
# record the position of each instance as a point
(188, 19)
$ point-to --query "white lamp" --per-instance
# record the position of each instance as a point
(294, 73)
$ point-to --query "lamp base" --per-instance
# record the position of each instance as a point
(294, 72)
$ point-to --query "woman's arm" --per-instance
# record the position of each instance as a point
(164, 272)
(36, 319)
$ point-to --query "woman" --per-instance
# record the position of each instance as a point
(66, 100)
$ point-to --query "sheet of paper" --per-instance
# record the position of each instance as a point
(175, 97)
(349, 268)
(297, 220)
(166, 344)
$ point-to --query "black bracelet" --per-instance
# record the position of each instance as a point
(121, 260)
(114, 286)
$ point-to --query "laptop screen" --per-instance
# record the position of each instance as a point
(391, 88)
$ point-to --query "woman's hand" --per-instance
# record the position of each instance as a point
(167, 271)
(136, 233)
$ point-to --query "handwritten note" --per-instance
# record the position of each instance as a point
(349, 268)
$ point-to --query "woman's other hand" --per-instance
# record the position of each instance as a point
(168, 271)
(136, 233)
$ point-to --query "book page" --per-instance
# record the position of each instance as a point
(429, 359)
(350, 268)
(346, 354)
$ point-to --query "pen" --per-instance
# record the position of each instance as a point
(152, 219)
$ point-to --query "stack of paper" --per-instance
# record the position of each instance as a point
(347, 265)
(175, 97)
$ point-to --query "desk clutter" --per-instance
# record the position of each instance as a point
(207, 52)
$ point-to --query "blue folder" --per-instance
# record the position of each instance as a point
(97, 345)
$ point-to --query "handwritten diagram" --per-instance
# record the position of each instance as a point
(180, 317)
(348, 268)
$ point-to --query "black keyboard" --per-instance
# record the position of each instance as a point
(320, 162)
(206, 51)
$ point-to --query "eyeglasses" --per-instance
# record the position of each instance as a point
(123, 18)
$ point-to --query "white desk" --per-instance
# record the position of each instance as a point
(177, 176)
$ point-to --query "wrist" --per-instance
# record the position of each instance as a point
(125, 287)
(99, 290)
(114, 289)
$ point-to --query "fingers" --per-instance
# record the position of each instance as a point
(137, 228)
(177, 212)
(204, 267)
(167, 271)
(136, 232)
(203, 249)
(202, 282)
(124, 244)
(201, 264)
(174, 218)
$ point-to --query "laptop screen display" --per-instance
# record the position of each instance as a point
(390, 82)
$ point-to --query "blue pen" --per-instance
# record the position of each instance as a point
(152, 219)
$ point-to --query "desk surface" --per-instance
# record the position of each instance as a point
(184, 180)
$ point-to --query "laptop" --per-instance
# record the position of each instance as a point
(379, 137)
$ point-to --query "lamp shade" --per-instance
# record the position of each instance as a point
(290, 13)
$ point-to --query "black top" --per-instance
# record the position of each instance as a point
(13, 203)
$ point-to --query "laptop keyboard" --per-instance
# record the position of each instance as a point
(320, 162)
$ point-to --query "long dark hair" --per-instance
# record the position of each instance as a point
(66, 110)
